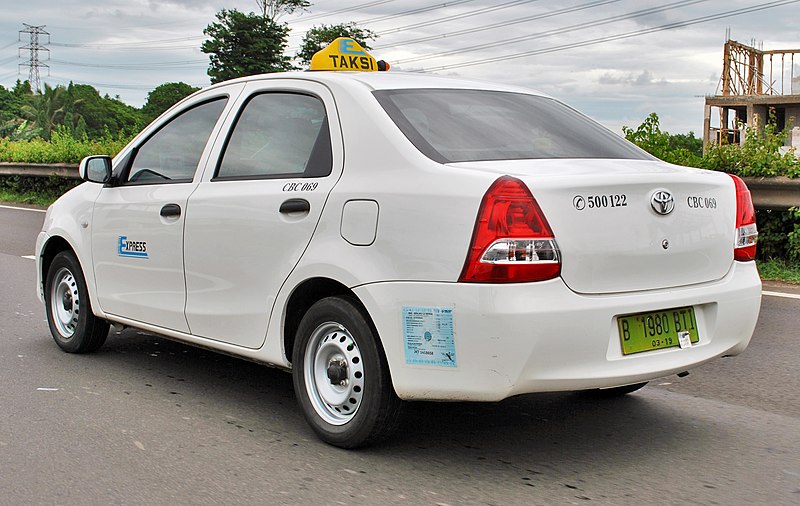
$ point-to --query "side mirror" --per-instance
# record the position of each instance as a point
(96, 169)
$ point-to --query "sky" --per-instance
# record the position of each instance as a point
(615, 60)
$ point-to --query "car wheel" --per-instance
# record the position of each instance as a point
(69, 313)
(608, 393)
(341, 378)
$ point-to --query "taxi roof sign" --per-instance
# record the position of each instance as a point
(345, 53)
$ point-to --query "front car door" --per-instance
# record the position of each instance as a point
(137, 231)
(251, 218)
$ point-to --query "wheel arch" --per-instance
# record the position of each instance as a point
(54, 245)
(305, 295)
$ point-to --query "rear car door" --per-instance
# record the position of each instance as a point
(251, 218)
(137, 231)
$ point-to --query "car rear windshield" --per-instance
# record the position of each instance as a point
(455, 125)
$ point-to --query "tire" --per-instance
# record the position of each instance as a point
(341, 378)
(69, 313)
(610, 393)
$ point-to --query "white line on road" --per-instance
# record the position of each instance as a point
(24, 209)
(781, 294)
(29, 257)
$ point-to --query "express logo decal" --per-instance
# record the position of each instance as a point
(126, 248)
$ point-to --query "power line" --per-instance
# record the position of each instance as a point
(468, 14)
(117, 86)
(34, 47)
(414, 11)
(401, 14)
(456, 33)
(610, 38)
(137, 44)
(566, 29)
(340, 11)
(135, 66)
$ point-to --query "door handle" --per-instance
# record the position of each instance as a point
(295, 206)
(170, 210)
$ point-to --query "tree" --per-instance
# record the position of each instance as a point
(10, 113)
(245, 44)
(163, 97)
(46, 111)
(680, 149)
(104, 115)
(320, 36)
(273, 9)
(22, 88)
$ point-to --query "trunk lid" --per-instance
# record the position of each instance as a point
(615, 227)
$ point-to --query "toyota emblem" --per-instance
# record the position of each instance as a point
(662, 202)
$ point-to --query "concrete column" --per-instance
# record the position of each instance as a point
(706, 127)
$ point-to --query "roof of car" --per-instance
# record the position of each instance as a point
(390, 80)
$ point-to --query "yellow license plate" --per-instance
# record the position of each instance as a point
(656, 330)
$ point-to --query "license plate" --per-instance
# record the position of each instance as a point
(656, 330)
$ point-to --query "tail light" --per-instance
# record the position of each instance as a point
(512, 241)
(744, 248)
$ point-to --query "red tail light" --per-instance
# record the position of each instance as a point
(744, 248)
(512, 241)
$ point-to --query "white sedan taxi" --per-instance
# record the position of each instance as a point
(392, 236)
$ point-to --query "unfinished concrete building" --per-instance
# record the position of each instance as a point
(754, 84)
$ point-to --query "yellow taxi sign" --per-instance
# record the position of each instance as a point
(344, 53)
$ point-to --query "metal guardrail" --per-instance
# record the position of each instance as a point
(768, 192)
(774, 192)
(39, 169)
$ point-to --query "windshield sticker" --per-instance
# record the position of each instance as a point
(428, 336)
(136, 249)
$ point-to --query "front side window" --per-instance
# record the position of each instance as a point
(455, 125)
(278, 135)
(171, 154)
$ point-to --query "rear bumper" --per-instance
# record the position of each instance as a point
(539, 337)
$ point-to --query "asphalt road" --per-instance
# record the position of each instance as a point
(150, 421)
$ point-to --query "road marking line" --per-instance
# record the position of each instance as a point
(23, 209)
(781, 294)
(29, 257)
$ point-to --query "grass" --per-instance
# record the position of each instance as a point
(34, 198)
(779, 270)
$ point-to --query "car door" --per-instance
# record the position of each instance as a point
(249, 222)
(137, 229)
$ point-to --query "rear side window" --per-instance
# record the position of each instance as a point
(453, 125)
(171, 154)
(278, 135)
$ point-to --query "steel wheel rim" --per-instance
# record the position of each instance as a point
(336, 402)
(65, 303)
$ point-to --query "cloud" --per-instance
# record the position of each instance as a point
(617, 81)
(645, 78)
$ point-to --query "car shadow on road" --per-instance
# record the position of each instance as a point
(530, 434)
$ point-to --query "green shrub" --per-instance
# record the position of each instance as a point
(681, 149)
(759, 155)
(61, 148)
(778, 234)
(35, 190)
